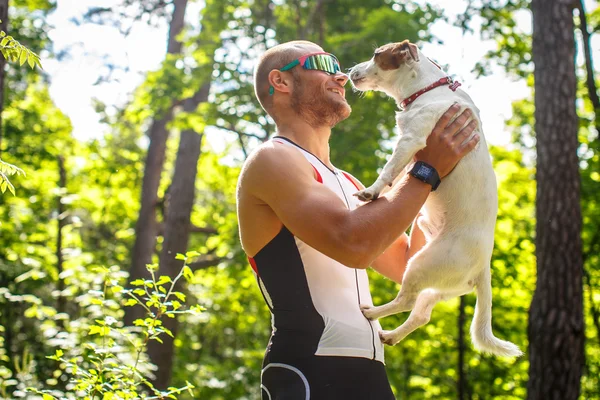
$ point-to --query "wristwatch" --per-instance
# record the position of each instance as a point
(426, 173)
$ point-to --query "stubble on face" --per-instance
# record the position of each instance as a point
(315, 106)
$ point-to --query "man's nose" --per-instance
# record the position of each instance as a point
(341, 78)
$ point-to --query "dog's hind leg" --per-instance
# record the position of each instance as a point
(419, 316)
(435, 266)
(405, 301)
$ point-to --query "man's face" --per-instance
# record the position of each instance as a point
(318, 97)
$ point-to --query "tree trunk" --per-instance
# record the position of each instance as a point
(4, 27)
(589, 62)
(177, 231)
(556, 325)
(146, 227)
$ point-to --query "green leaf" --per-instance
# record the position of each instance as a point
(187, 273)
(189, 388)
(138, 282)
(152, 267)
(179, 295)
(192, 254)
(23, 56)
(168, 332)
(180, 256)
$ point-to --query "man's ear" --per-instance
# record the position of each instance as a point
(280, 81)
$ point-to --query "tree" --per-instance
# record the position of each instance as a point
(182, 190)
(556, 328)
(146, 227)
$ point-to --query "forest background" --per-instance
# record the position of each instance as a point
(92, 212)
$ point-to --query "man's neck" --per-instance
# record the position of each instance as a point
(314, 140)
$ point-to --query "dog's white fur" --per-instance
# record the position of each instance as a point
(458, 219)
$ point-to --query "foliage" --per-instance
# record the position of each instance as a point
(500, 21)
(7, 169)
(14, 51)
(111, 377)
(220, 350)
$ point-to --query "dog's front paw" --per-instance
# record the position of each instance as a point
(372, 192)
(367, 194)
(388, 337)
(369, 312)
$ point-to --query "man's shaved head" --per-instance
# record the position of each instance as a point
(274, 58)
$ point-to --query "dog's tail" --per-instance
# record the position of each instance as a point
(481, 328)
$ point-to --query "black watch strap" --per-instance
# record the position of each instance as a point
(426, 173)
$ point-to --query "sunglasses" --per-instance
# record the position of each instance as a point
(315, 61)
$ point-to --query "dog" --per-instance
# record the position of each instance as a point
(458, 219)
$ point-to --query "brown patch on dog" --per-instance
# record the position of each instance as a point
(393, 55)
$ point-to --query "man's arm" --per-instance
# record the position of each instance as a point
(283, 179)
(392, 262)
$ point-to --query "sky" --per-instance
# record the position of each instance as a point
(72, 79)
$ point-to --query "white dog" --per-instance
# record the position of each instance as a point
(458, 218)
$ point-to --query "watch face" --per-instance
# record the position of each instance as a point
(424, 170)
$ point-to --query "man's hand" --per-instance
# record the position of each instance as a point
(448, 143)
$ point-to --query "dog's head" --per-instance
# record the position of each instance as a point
(389, 64)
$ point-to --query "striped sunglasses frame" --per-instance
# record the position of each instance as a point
(322, 61)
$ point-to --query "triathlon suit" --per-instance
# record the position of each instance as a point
(322, 347)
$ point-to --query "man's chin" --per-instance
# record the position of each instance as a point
(341, 114)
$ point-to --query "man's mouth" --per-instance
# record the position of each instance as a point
(338, 91)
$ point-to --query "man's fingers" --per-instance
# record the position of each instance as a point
(446, 118)
(469, 144)
(467, 130)
(459, 122)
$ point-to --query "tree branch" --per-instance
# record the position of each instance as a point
(193, 228)
(242, 144)
(589, 62)
(232, 129)
(206, 261)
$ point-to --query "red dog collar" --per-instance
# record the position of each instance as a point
(444, 81)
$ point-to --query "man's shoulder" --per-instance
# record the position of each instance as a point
(273, 155)
(272, 158)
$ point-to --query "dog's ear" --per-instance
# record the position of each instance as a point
(392, 56)
(408, 49)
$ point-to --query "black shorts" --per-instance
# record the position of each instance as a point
(325, 378)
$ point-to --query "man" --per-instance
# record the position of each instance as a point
(308, 240)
